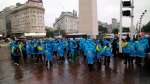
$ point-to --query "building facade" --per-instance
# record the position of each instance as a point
(28, 18)
(88, 17)
(67, 21)
(2, 24)
(115, 24)
(5, 23)
(105, 25)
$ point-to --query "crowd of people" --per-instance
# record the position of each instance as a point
(89, 51)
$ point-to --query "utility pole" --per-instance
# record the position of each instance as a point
(120, 29)
(132, 18)
(137, 26)
(140, 23)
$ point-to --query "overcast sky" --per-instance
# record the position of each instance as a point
(107, 9)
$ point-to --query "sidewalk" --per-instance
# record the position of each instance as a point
(4, 44)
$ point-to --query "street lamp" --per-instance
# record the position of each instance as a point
(141, 18)
(137, 26)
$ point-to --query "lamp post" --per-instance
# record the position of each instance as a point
(141, 18)
(137, 26)
(120, 29)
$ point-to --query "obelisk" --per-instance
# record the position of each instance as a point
(88, 17)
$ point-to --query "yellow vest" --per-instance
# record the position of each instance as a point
(97, 48)
(40, 48)
(124, 44)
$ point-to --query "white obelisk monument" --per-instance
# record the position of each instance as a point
(88, 23)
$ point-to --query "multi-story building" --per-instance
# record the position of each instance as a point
(67, 21)
(28, 18)
(109, 28)
(115, 24)
(105, 25)
(2, 24)
(5, 24)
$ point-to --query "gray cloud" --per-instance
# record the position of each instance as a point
(107, 9)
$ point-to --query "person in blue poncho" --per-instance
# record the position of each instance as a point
(90, 53)
(125, 51)
(81, 49)
(32, 49)
(131, 45)
(107, 53)
(90, 58)
(55, 44)
(24, 50)
(70, 50)
(66, 46)
(48, 54)
(39, 52)
(140, 52)
(73, 50)
(82, 45)
(99, 52)
(144, 41)
(60, 52)
(28, 48)
(13, 46)
(16, 53)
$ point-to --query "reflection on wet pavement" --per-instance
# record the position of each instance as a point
(116, 73)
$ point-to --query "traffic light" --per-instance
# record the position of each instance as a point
(126, 3)
(126, 13)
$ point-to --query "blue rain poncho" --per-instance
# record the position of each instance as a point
(48, 53)
(73, 47)
(40, 49)
(90, 56)
(90, 50)
(140, 49)
(144, 41)
(132, 49)
(66, 45)
(99, 51)
(126, 48)
(55, 46)
(107, 51)
(13, 46)
(81, 44)
(106, 42)
(28, 48)
(32, 48)
(60, 50)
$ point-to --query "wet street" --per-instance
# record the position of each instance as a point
(116, 73)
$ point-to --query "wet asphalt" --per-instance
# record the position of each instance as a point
(30, 73)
